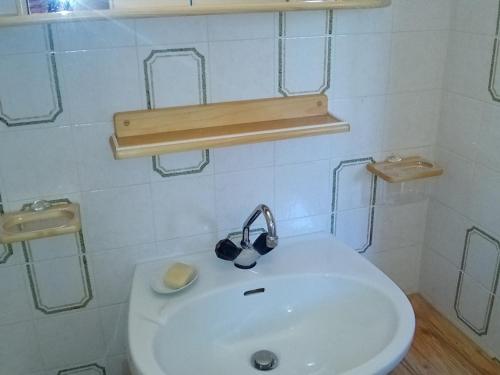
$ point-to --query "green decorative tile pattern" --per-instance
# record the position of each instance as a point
(494, 82)
(153, 91)
(91, 369)
(172, 172)
(467, 253)
(326, 58)
(55, 93)
(77, 301)
(6, 250)
(337, 173)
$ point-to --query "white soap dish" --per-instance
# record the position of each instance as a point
(157, 284)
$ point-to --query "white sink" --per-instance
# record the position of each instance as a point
(325, 310)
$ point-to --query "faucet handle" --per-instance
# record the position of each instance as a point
(227, 250)
(261, 244)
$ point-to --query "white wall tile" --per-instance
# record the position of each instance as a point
(475, 17)
(417, 61)
(438, 281)
(101, 83)
(96, 165)
(483, 260)
(361, 64)
(70, 276)
(242, 69)
(19, 354)
(114, 270)
(454, 187)
(445, 232)
(354, 188)
(302, 190)
(8, 7)
(238, 193)
(173, 74)
(488, 152)
(412, 119)
(151, 31)
(32, 91)
(182, 164)
(399, 226)
(47, 165)
(118, 217)
(184, 207)
(420, 15)
(354, 228)
(304, 64)
(191, 244)
(303, 225)
(354, 21)
(241, 26)
(23, 39)
(468, 65)
(14, 295)
(236, 158)
(485, 205)
(304, 23)
(460, 124)
(366, 115)
(299, 150)
(473, 303)
(74, 36)
(118, 365)
(54, 247)
(70, 339)
(401, 265)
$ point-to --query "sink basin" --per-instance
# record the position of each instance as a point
(319, 306)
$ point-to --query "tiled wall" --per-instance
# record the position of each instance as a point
(64, 300)
(461, 260)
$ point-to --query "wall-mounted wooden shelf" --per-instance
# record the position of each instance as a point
(52, 220)
(406, 169)
(152, 8)
(154, 132)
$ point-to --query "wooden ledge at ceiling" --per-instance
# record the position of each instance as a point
(187, 10)
(154, 132)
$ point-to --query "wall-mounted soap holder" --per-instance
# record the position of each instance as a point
(405, 169)
(40, 219)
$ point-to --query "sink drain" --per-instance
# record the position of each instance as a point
(264, 360)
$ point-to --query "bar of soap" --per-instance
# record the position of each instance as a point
(178, 275)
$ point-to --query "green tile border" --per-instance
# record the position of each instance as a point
(84, 272)
(149, 79)
(495, 58)
(483, 330)
(7, 251)
(164, 172)
(327, 61)
(57, 109)
(97, 369)
(373, 194)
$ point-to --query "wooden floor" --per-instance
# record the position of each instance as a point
(439, 348)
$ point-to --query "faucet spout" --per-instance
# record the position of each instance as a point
(246, 256)
(271, 238)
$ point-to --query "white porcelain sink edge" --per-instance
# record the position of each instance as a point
(318, 255)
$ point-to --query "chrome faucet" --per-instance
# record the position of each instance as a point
(246, 256)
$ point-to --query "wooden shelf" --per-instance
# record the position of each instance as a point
(197, 8)
(26, 225)
(154, 132)
(407, 169)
